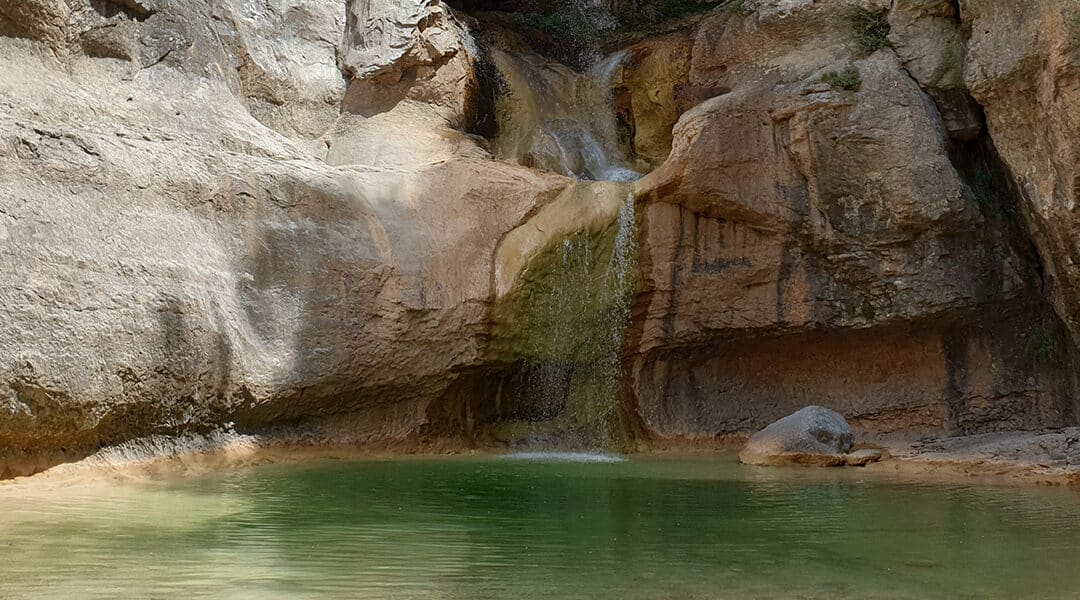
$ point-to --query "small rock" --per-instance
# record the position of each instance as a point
(812, 436)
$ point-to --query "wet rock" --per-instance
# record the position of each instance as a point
(650, 94)
(812, 436)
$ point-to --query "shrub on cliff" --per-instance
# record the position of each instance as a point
(1043, 345)
(870, 29)
(848, 79)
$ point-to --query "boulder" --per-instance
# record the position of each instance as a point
(812, 436)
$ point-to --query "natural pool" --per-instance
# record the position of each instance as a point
(498, 528)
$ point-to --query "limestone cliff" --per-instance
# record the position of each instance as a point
(808, 244)
(302, 219)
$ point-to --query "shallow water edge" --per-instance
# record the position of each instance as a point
(479, 527)
(994, 459)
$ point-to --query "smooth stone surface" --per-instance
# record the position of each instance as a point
(814, 435)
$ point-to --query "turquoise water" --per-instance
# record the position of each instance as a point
(496, 528)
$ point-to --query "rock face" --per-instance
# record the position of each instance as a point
(811, 436)
(1022, 64)
(927, 36)
(180, 256)
(282, 217)
(805, 243)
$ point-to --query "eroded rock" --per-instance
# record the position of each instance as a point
(927, 36)
(863, 457)
(387, 38)
(1023, 67)
(177, 265)
(804, 242)
(275, 215)
(42, 20)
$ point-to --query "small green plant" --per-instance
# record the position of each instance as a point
(868, 311)
(1043, 345)
(871, 29)
(848, 79)
(654, 16)
(736, 5)
(951, 59)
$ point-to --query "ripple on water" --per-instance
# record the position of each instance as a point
(549, 526)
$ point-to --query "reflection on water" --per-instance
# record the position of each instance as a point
(491, 529)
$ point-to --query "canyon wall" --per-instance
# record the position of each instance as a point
(858, 248)
(201, 225)
(292, 218)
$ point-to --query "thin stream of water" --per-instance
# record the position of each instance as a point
(581, 386)
(556, 119)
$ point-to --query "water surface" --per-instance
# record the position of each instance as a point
(491, 528)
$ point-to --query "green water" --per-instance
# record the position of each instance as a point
(475, 529)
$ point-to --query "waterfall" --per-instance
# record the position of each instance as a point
(555, 119)
(622, 268)
(581, 313)
(569, 311)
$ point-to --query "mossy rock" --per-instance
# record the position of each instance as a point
(564, 316)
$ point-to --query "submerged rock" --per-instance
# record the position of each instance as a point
(812, 436)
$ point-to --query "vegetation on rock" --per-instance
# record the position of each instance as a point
(578, 27)
(651, 16)
(735, 5)
(847, 79)
(563, 325)
(1044, 345)
(870, 29)
(952, 60)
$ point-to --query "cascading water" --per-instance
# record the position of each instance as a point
(622, 269)
(555, 119)
(574, 305)
(599, 145)
(579, 309)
